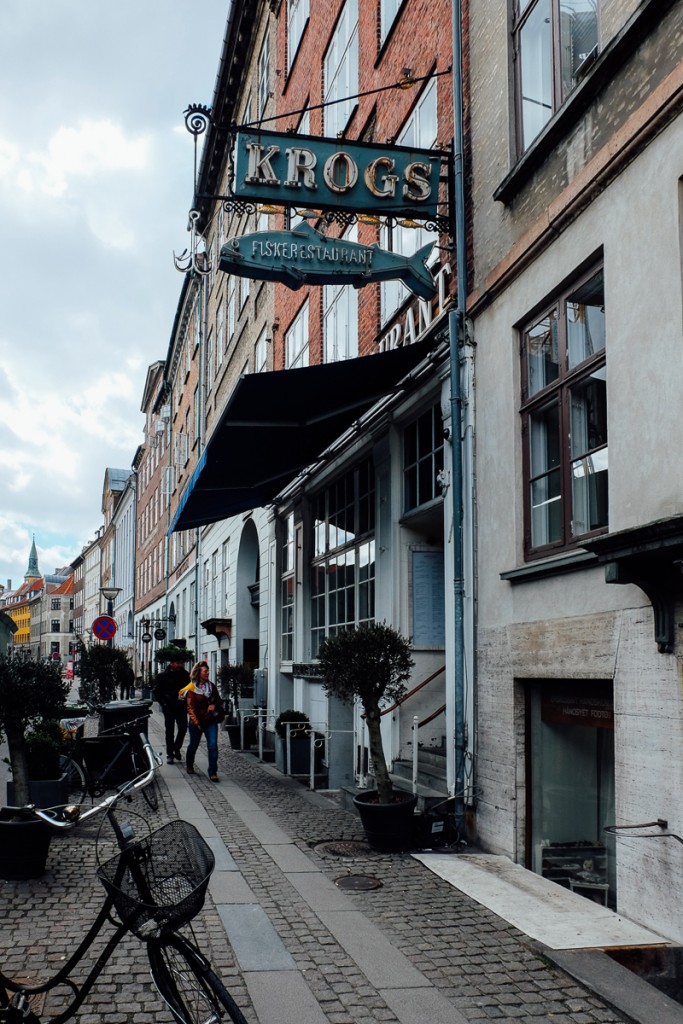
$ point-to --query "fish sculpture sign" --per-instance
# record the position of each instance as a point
(306, 256)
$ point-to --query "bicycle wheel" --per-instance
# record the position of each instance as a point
(188, 986)
(150, 791)
(76, 779)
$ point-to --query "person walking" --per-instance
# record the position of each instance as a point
(205, 711)
(166, 689)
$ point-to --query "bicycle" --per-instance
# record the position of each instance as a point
(155, 886)
(97, 762)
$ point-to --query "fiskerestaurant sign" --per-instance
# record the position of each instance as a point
(336, 174)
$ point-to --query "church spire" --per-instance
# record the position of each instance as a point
(33, 572)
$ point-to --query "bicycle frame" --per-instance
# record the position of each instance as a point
(98, 781)
(125, 839)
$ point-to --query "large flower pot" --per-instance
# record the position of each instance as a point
(23, 847)
(299, 755)
(44, 792)
(389, 828)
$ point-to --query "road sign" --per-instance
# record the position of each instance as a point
(104, 627)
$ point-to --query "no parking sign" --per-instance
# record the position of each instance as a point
(104, 627)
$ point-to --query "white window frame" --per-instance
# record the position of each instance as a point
(261, 352)
(418, 132)
(264, 75)
(296, 340)
(340, 316)
(297, 17)
(340, 69)
(388, 10)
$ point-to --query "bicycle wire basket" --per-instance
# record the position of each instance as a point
(160, 883)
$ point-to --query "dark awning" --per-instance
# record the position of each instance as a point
(275, 424)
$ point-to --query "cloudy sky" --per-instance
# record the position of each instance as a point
(95, 185)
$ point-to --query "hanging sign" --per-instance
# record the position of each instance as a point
(304, 256)
(336, 174)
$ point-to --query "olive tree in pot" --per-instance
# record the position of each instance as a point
(372, 664)
(31, 692)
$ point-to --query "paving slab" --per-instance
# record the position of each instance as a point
(264, 828)
(257, 945)
(289, 857)
(419, 1005)
(319, 892)
(223, 858)
(547, 912)
(230, 887)
(283, 997)
(380, 961)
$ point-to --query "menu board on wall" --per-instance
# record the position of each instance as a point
(429, 619)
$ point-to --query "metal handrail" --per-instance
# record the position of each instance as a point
(411, 693)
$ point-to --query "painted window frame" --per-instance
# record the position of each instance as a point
(297, 340)
(564, 417)
(544, 32)
(340, 71)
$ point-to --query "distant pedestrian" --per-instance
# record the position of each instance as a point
(127, 683)
(166, 691)
(205, 711)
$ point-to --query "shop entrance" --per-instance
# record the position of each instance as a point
(570, 741)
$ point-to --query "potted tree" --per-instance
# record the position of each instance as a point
(31, 692)
(48, 785)
(234, 682)
(299, 742)
(372, 664)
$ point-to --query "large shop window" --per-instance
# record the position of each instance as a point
(564, 419)
(572, 786)
(422, 459)
(343, 568)
(554, 41)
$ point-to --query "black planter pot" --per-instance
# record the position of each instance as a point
(44, 792)
(24, 847)
(389, 828)
(233, 731)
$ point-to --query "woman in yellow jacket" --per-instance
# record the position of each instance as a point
(204, 711)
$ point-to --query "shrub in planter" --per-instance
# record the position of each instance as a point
(299, 742)
(43, 748)
(30, 693)
(103, 670)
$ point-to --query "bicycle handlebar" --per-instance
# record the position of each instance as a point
(153, 760)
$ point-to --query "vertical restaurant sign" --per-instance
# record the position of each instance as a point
(336, 174)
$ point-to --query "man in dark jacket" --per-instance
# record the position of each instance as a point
(166, 688)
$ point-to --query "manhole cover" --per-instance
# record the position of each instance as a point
(343, 848)
(357, 883)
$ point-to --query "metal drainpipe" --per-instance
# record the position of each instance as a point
(200, 447)
(456, 324)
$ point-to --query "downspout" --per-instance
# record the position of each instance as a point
(200, 448)
(457, 340)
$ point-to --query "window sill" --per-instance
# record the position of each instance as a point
(606, 66)
(556, 566)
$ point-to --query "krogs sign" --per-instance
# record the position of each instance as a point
(336, 174)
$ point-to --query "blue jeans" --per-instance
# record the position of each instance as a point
(211, 733)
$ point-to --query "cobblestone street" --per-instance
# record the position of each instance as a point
(301, 950)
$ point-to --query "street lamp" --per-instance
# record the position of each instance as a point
(109, 595)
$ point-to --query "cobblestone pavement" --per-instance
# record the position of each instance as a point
(473, 965)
